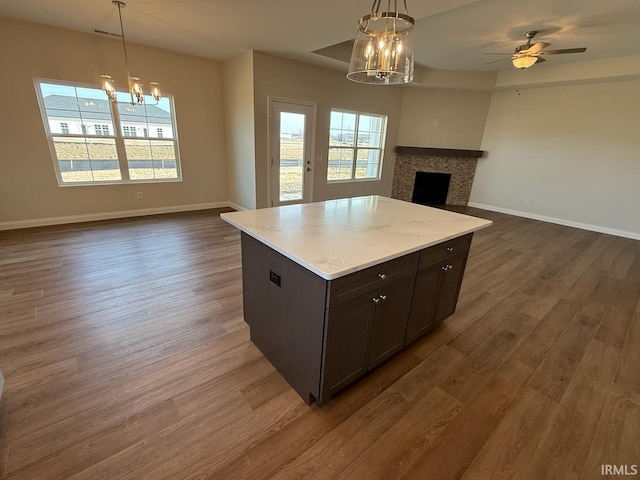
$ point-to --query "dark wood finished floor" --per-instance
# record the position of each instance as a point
(126, 357)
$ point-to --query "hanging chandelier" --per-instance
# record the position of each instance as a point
(135, 84)
(383, 48)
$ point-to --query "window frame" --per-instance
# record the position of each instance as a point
(102, 127)
(355, 148)
(117, 135)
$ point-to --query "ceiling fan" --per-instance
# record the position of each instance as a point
(528, 55)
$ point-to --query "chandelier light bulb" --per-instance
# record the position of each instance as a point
(107, 86)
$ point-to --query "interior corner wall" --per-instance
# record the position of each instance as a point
(439, 118)
(28, 187)
(280, 77)
(573, 150)
(240, 138)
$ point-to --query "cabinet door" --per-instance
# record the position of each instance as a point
(423, 304)
(390, 321)
(450, 286)
(346, 343)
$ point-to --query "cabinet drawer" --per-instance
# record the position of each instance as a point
(351, 286)
(444, 250)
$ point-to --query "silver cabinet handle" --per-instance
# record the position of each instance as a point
(383, 297)
(444, 267)
(382, 276)
(449, 249)
(375, 300)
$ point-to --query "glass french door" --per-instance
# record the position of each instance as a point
(291, 168)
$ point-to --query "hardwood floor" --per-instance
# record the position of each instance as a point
(126, 356)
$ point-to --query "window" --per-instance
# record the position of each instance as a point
(356, 143)
(128, 131)
(86, 137)
(159, 132)
(101, 129)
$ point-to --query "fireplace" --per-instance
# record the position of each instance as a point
(431, 188)
(459, 165)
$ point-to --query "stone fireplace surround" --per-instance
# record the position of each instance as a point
(461, 164)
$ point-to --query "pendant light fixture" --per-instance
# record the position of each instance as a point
(383, 48)
(135, 84)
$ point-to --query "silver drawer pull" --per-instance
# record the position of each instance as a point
(375, 300)
(382, 276)
(383, 297)
(444, 267)
(449, 249)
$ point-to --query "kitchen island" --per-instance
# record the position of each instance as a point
(332, 289)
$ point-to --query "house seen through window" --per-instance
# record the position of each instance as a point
(356, 145)
(86, 136)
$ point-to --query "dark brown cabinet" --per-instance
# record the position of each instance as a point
(322, 335)
(450, 282)
(390, 320)
(437, 286)
(363, 332)
(421, 318)
(346, 342)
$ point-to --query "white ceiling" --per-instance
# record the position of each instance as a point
(450, 34)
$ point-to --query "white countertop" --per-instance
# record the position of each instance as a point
(338, 237)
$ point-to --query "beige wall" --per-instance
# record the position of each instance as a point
(239, 121)
(280, 77)
(28, 188)
(443, 118)
(573, 150)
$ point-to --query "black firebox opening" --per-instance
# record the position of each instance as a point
(431, 188)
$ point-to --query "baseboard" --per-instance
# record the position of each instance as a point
(559, 221)
(235, 206)
(91, 217)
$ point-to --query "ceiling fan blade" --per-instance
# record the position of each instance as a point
(496, 61)
(497, 54)
(565, 50)
(535, 48)
(540, 60)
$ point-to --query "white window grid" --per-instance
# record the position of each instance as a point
(122, 159)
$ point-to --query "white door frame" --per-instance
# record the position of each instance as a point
(310, 129)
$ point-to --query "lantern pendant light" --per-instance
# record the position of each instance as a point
(383, 48)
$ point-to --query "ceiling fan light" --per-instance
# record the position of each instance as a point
(524, 61)
(383, 49)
